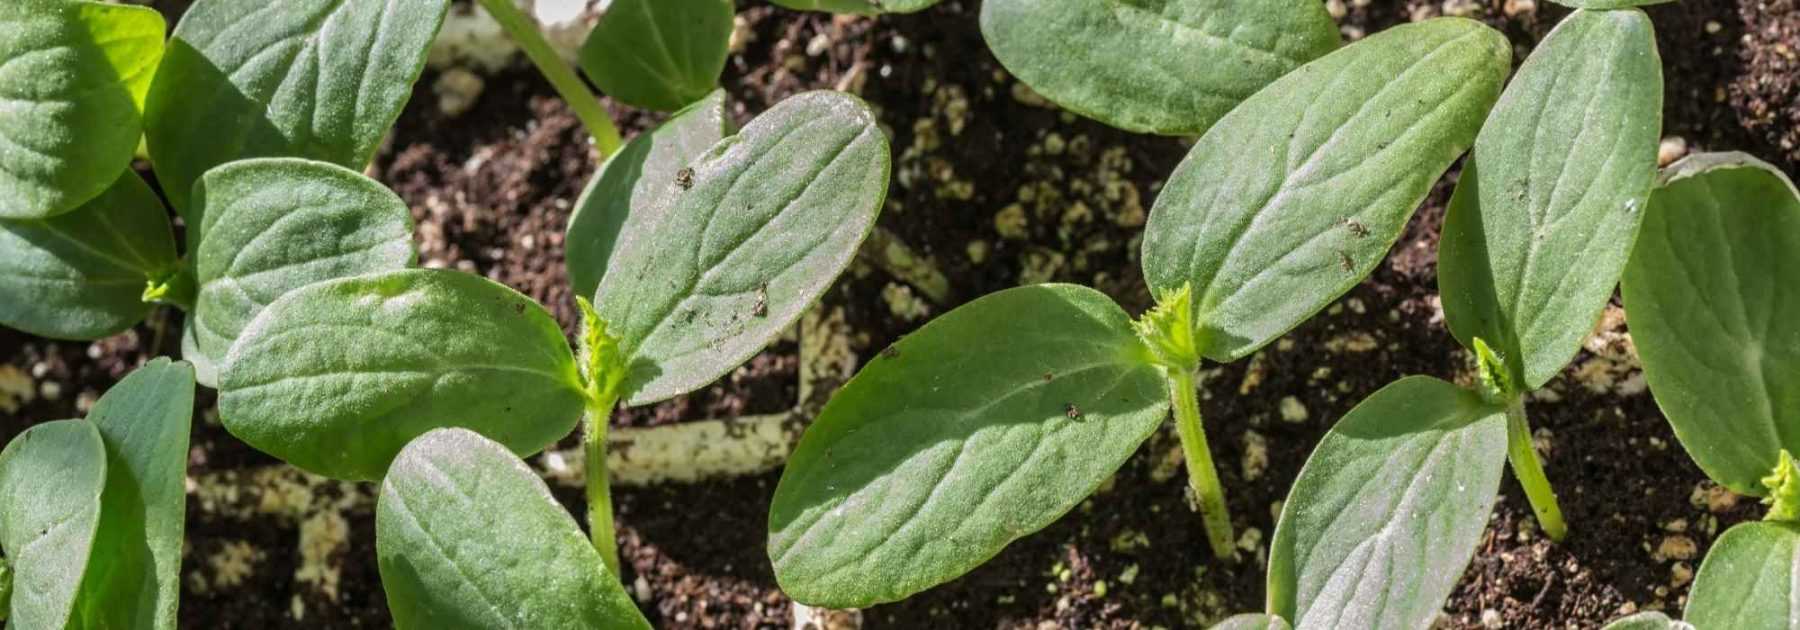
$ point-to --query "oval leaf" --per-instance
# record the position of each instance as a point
(275, 225)
(1647, 621)
(1295, 196)
(317, 79)
(338, 376)
(617, 199)
(1750, 580)
(1163, 66)
(1388, 509)
(51, 479)
(1713, 313)
(1253, 622)
(982, 427)
(731, 258)
(658, 54)
(81, 275)
(443, 567)
(134, 577)
(73, 86)
(1536, 238)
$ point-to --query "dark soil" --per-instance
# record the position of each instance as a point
(997, 189)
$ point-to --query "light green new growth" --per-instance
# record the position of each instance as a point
(1496, 381)
(1168, 331)
(603, 368)
(1497, 387)
(1784, 490)
(173, 286)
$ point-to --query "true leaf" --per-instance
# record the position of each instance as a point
(469, 537)
(1296, 195)
(983, 426)
(1154, 66)
(658, 54)
(1748, 580)
(1253, 622)
(618, 198)
(1711, 297)
(51, 479)
(81, 275)
(72, 88)
(1537, 236)
(338, 376)
(134, 577)
(316, 79)
(274, 225)
(1648, 621)
(1388, 509)
(759, 227)
(858, 7)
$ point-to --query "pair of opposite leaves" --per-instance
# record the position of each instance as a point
(82, 232)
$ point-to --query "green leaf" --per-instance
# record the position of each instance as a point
(1712, 304)
(275, 225)
(1647, 621)
(1297, 194)
(51, 479)
(1388, 509)
(338, 376)
(316, 79)
(134, 577)
(1537, 236)
(1749, 580)
(731, 258)
(1155, 66)
(858, 7)
(1253, 622)
(469, 537)
(617, 199)
(658, 54)
(81, 275)
(73, 90)
(986, 425)
(1608, 4)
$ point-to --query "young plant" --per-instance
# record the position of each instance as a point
(1534, 241)
(1174, 68)
(339, 377)
(994, 420)
(92, 511)
(1715, 321)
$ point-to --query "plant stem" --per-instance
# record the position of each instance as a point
(1531, 473)
(599, 486)
(524, 31)
(1202, 477)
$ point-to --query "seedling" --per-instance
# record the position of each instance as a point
(960, 439)
(92, 511)
(1534, 241)
(1167, 67)
(1715, 321)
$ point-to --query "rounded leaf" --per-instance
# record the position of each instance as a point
(73, 86)
(317, 79)
(1165, 66)
(337, 377)
(51, 479)
(1714, 316)
(1750, 580)
(81, 275)
(985, 425)
(1297, 194)
(617, 200)
(279, 224)
(1537, 236)
(658, 54)
(468, 536)
(752, 234)
(1388, 509)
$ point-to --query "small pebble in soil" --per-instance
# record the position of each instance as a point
(1292, 410)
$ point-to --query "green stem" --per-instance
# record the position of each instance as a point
(599, 486)
(1531, 473)
(1202, 477)
(524, 31)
